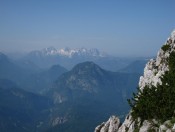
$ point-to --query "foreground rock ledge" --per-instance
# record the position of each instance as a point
(111, 125)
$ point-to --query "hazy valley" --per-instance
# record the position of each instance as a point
(39, 97)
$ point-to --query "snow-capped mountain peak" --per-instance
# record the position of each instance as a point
(80, 52)
(49, 51)
(68, 52)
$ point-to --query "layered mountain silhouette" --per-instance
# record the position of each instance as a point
(85, 95)
(21, 110)
(88, 91)
(27, 76)
(135, 67)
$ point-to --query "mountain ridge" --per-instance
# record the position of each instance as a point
(89, 89)
(148, 113)
(68, 52)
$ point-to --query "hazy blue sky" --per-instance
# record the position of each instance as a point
(118, 27)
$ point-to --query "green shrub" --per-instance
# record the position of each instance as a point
(151, 130)
(126, 129)
(136, 130)
(165, 47)
(156, 102)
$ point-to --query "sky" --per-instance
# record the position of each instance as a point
(117, 27)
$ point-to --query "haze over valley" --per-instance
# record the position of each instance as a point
(85, 93)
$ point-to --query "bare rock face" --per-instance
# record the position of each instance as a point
(154, 70)
(111, 125)
(128, 125)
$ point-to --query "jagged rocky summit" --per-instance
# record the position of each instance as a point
(159, 74)
(68, 52)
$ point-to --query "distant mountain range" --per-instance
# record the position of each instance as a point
(67, 52)
(27, 75)
(68, 58)
(84, 95)
(135, 67)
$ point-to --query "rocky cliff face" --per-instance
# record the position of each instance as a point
(111, 125)
(154, 71)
